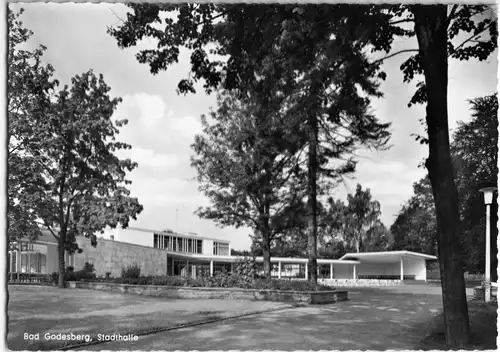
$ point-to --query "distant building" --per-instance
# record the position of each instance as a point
(170, 253)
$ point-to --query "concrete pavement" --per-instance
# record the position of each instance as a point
(373, 318)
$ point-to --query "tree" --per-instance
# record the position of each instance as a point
(316, 48)
(362, 215)
(435, 27)
(80, 186)
(248, 166)
(415, 228)
(28, 88)
(475, 155)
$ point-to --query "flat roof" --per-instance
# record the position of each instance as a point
(235, 258)
(388, 256)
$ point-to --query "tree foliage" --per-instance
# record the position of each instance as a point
(415, 227)
(314, 50)
(63, 171)
(248, 166)
(28, 87)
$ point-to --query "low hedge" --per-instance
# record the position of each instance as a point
(219, 280)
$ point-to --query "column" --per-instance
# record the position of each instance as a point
(18, 261)
(28, 267)
(401, 268)
(211, 268)
(11, 260)
(307, 274)
(354, 275)
(331, 271)
(487, 269)
(187, 268)
(232, 268)
(279, 269)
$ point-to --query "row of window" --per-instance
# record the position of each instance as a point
(221, 248)
(30, 263)
(178, 244)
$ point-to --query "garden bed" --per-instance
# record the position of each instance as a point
(310, 297)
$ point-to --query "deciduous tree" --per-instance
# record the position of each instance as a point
(317, 48)
(79, 185)
(29, 84)
(248, 166)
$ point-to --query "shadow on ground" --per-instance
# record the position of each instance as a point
(375, 319)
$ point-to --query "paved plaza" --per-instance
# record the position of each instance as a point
(375, 318)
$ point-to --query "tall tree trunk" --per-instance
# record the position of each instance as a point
(431, 31)
(266, 243)
(61, 252)
(312, 228)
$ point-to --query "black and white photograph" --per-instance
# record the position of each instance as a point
(216, 176)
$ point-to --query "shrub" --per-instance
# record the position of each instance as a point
(246, 269)
(131, 272)
(55, 277)
(70, 269)
(288, 285)
(108, 274)
(88, 267)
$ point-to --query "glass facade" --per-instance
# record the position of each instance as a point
(178, 244)
(221, 248)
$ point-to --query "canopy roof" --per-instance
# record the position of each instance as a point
(386, 257)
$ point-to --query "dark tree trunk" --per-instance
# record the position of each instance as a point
(431, 31)
(266, 244)
(61, 252)
(312, 228)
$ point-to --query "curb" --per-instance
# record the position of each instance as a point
(181, 326)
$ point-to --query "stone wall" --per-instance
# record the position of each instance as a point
(319, 297)
(112, 256)
(358, 282)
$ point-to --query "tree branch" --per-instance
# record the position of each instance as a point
(474, 36)
(394, 54)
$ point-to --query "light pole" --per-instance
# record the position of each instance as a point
(488, 199)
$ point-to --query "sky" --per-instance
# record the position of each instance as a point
(162, 124)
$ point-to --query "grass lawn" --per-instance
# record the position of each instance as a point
(483, 324)
(44, 309)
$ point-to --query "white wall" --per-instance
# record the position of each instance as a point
(378, 269)
(136, 237)
(415, 267)
(343, 271)
(411, 266)
(52, 260)
(208, 247)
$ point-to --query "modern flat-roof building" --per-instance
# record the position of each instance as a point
(166, 252)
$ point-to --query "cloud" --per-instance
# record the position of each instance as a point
(150, 158)
(151, 108)
(164, 191)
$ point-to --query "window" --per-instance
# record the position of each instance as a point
(179, 244)
(190, 245)
(220, 248)
(155, 241)
(199, 246)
